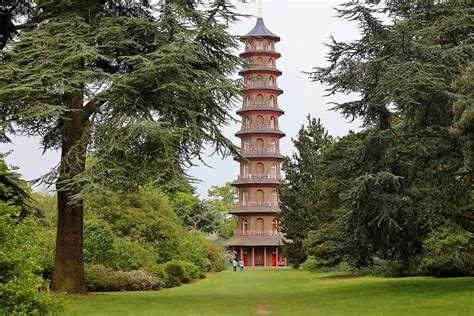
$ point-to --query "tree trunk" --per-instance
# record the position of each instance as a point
(68, 273)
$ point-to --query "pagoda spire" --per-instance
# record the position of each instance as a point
(260, 9)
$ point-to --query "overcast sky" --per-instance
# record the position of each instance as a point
(304, 27)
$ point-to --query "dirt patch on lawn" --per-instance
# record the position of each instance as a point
(263, 309)
(340, 277)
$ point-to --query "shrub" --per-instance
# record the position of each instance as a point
(449, 252)
(206, 254)
(181, 270)
(19, 271)
(100, 278)
(159, 271)
(313, 263)
(386, 268)
(310, 264)
(130, 255)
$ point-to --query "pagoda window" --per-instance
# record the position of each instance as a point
(274, 197)
(259, 99)
(274, 225)
(246, 170)
(244, 225)
(259, 225)
(259, 196)
(247, 121)
(272, 100)
(259, 61)
(273, 145)
(271, 81)
(259, 120)
(245, 197)
(259, 80)
(246, 146)
(272, 122)
(247, 101)
(274, 171)
(260, 169)
(271, 63)
(259, 143)
(260, 45)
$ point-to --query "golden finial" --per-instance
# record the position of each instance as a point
(260, 8)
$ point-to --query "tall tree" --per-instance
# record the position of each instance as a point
(303, 208)
(141, 88)
(411, 175)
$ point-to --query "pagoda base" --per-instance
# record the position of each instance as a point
(259, 256)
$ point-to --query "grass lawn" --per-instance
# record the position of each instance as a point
(288, 292)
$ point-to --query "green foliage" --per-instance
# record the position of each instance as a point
(20, 272)
(145, 216)
(301, 192)
(310, 264)
(142, 88)
(386, 188)
(205, 254)
(181, 271)
(98, 242)
(448, 252)
(117, 65)
(100, 278)
(130, 254)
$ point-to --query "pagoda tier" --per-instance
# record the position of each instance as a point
(257, 240)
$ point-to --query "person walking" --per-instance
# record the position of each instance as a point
(241, 265)
(234, 265)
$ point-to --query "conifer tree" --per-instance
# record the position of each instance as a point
(409, 69)
(302, 207)
(139, 87)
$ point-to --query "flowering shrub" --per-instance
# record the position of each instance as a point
(100, 278)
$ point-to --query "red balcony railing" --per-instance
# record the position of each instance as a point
(261, 84)
(267, 150)
(259, 48)
(256, 233)
(257, 66)
(256, 204)
(261, 126)
(258, 176)
(260, 105)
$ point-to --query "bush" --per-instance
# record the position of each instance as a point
(130, 255)
(385, 268)
(159, 271)
(181, 270)
(20, 273)
(449, 265)
(449, 252)
(207, 255)
(313, 264)
(310, 264)
(100, 278)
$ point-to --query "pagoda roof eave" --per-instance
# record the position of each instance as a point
(275, 240)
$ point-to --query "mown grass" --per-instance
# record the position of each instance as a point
(288, 292)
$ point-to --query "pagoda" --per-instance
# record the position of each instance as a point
(258, 241)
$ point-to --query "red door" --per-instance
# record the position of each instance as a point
(245, 259)
(274, 260)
